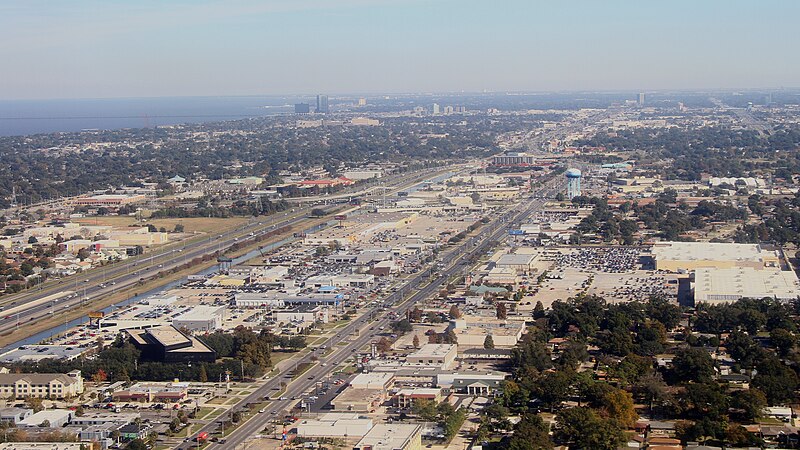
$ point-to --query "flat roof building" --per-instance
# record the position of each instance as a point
(392, 437)
(335, 425)
(201, 318)
(729, 285)
(442, 356)
(168, 344)
(688, 256)
(53, 418)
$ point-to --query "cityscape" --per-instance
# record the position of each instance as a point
(405, 268)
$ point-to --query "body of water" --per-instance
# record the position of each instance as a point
(23, 117)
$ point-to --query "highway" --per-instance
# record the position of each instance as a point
(99, 282)
(458, 257)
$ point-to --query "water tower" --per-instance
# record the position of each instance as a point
(573, 183)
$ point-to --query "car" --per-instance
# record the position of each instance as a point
(262, 411)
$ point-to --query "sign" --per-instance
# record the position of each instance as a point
(340, 217)
(516, 233)
(97, 315)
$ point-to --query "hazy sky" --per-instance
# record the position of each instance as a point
(115, 48)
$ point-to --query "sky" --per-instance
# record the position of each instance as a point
(152, 48)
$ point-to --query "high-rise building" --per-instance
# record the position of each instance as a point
(641, 98)
(448, 109)
(436, 108)
(322, 104)
(302, 108)
(362, 101)
(573, 183)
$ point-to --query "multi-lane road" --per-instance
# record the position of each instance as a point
(27, 307)
(423, 286)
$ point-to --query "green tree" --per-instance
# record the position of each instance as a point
(692, 364)
(585, 429)
(136, 444)
(488, 343)
(501, 311)
(531, 433)
(425, 409)
(783, 341)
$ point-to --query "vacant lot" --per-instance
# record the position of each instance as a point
(190, 225)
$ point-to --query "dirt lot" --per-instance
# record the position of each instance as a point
(191, 225)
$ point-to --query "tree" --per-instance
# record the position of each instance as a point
(449, 337)
(402, 326)
(136, 444)
(538, 310)
(585, 429)
(502, 311)
(203, 377)
(99, 376)
(531, 433)
(425, 409)
(175, 425)
(553, 388)
(84, 253)
(783, 341)
(692, 364)
(454, 313)
(178, 228)
(384, 345)
(236, 416)
(751, 402)
(34, 403)
(318, 212)
(618, 405)
(488, 343)
(415, 341)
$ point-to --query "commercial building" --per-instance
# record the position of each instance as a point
(373, 380)
(472, 331)
(167, 344)
(41, 385)
(520, 263)
(471, 383)
(392, 437)
(14, 415)
(362, 174)
(340, 425)
(729, 285)
(365, 392)
(688, 256)
(406, 398)
(109, 200)
(358, 400)
(201, 318)
(302, 108)
(307, 313)
(513, 159)
(52, 418)
(45, 446)
(322, 104)
(439, 355)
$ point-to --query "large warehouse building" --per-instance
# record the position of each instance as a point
(688, 256)
(729, 285)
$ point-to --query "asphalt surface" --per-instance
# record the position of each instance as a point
(458, 257)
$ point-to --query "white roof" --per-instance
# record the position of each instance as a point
(710, 251)
(726, 285)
